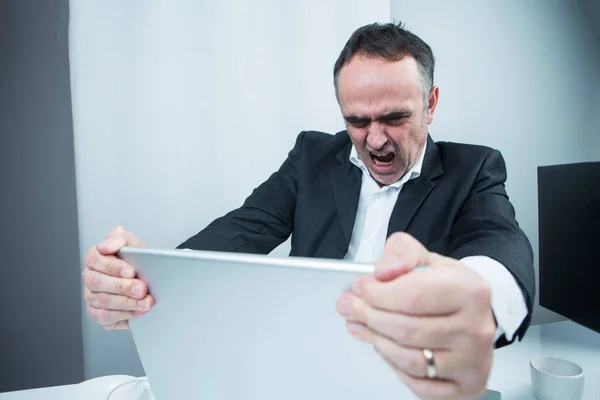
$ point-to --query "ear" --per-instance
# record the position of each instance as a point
(434, 95)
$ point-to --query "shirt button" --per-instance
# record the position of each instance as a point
(369, 241)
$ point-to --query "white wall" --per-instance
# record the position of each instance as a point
(594, 151)
(594, 135)
(515, 75)
(181, 108)
(591, 15)
(593, 116)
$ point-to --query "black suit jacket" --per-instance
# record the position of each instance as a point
(457, 207)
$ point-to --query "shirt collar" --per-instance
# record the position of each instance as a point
(413, 172)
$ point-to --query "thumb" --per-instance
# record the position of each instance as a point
(117, 239)
(402, 253)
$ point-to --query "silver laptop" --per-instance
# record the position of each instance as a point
(230, 326)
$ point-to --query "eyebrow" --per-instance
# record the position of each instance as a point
(355, 119)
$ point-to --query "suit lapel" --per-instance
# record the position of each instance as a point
(345, 182)
(415, 191)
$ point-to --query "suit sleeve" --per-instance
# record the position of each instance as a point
(486, 226)
(265, 219)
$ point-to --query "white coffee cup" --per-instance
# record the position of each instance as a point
(556, 379)
(136, 389)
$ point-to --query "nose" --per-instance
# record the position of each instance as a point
(376, 136)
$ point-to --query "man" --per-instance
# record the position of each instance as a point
(382, 191)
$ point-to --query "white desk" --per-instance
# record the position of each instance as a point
(510, 374)
(71, 392)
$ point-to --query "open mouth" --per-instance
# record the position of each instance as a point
(383, 160)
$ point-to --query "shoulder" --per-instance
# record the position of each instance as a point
(326, 141)
(455, 154)
(316, 145)
(456, 149)
(471, 163)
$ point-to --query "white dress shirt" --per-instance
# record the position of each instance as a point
(369, 234)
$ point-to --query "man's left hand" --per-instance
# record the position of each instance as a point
(445, 308)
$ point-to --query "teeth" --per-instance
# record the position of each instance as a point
(376, 161)
(381, 163)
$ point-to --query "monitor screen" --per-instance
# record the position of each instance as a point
(569, 241)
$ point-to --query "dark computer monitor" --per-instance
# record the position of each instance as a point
(569, 241)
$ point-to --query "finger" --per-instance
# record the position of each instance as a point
(110, 317)
(435, 389)
(434, 332)
(117, 302)
(359, 331)
(467, 374)
(401, 254)
(411, 361)
(426, 388)
(112, 245)
(109, 265)
(100, 283)
(117, 239)
(430, 292)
